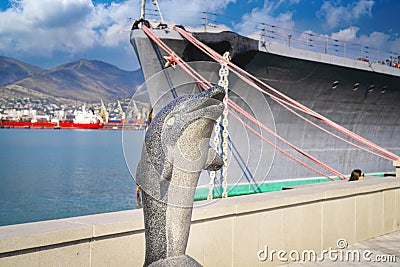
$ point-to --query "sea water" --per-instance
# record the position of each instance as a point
(49, 174)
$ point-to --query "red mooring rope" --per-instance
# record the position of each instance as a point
(205, 84)
(180, 62)
(283, 98)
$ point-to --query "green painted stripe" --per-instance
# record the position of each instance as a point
(248, 189)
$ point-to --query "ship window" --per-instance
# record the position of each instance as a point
(371, 87)
(355, 86)
(384, 88)
(335, 84)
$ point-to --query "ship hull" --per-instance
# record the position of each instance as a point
(363, 98)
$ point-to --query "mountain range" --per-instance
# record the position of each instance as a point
(83, 80)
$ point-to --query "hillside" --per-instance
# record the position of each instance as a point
(12, 70)
(83, 80)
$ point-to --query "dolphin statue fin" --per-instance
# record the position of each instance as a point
(167, 171)
(214, 161)
(165, 178)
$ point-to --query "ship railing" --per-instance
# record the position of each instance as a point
(324, 44)
(305, 40)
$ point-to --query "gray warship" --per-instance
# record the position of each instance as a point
(357, 93)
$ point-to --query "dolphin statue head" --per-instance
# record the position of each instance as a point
(176, 149)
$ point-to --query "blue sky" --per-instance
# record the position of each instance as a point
(48, 33)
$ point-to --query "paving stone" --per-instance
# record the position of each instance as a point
(386, 245)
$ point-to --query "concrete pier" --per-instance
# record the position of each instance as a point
(238, 231)
(396, 163)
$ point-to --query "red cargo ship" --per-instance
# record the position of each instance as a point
(50, 124)
(81, 119)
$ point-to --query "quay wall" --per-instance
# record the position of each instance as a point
(224, 232)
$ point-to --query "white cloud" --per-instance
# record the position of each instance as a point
(377, 40)
(43, 27)
(362, 8)
(190, 12)
(251, 22)
(335, 14)
(46, 28)
(55, 14)
(281, 2)
(348, 35)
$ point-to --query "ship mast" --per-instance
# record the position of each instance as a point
(143, 13)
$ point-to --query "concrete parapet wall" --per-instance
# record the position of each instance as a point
(227, 232)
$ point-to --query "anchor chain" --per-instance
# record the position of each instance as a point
(223, 82)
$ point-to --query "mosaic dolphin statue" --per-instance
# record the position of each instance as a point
(175, 150)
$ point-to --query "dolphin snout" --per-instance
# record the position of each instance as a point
(207, 104)
(211, 108)
(215, 92)
(219, 96)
